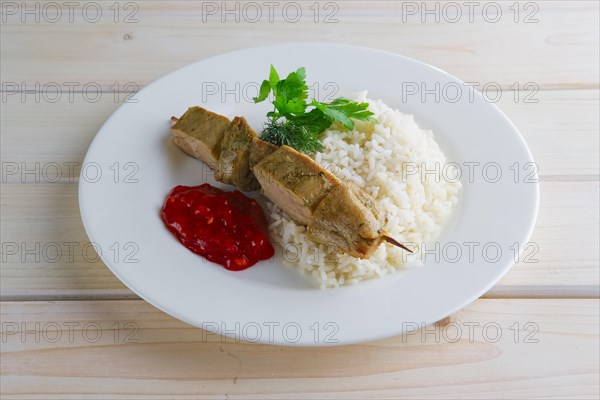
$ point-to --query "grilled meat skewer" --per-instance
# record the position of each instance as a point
(336, 213)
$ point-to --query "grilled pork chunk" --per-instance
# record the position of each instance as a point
(347, 220)
(199, 133)
(233, 166)
(294, 182)
(229, 147)
(259, 150)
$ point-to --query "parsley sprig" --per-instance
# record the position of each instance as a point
(296, 122)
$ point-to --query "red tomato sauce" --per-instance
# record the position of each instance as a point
(227, 228)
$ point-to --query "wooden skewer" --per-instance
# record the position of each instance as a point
(396, 243)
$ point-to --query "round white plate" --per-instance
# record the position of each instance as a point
(132, 165)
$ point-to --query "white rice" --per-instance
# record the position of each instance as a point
(386, 160)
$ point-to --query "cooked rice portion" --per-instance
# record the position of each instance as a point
(392, 160)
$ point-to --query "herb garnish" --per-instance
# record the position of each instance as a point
(301, 127)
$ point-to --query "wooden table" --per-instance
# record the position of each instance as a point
(70, 329)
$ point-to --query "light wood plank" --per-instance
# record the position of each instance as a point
(560, 50)
(45, 249)
(36, 135)
(555, 356)
(562, 258)
(561, 130)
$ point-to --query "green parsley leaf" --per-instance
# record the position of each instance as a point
(273, 77)
(343, 110)
(265, 89)
(301, 128)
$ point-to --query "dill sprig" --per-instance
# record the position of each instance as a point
(291, 134)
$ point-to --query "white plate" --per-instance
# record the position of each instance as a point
(132, 165)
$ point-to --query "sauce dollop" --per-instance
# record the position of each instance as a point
(227, 228)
